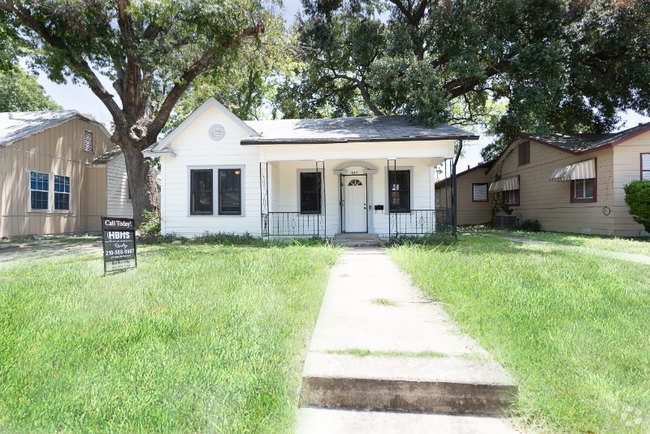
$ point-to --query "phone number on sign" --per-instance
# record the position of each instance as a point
(119, 252)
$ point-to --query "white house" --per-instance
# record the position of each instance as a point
(316, 177)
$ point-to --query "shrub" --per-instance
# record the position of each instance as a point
(150, 224)
(637, 197)
(531, 226)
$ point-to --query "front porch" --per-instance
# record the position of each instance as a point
(323, 198)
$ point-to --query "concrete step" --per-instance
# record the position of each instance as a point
(450, 385)
(356, 240)
(321, 421)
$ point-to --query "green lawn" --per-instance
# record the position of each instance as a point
(199, 338)
(573, 329)
(637, 246)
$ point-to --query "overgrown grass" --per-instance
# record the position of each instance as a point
(572, 328)
(638, 246)
(199, 338)
(383, 302)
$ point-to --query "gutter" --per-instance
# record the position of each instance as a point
(249, 142)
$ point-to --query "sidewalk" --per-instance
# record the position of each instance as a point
(640, 259)
(385, 360)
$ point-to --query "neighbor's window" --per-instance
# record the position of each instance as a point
(230, 191)
(201, 192)
(310, 193)
(645, 167)
(479, 192)
(583, 189)
(399, 190)
(524, 153)
(511, 197)
(61, 193)
(88, 141)
(39, 186)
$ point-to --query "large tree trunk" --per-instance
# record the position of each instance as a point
(142, 181)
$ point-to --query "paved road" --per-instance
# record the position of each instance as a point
(45, 249)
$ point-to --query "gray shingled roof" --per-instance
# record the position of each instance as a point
(372, 128)
(16, 126)
(106, 156)
(585, 142)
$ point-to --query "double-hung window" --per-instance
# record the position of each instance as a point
(201, 192)
(511, 197)
(39, 186)
(230, 191)
(310, 193)
(645, 167)
(583, 189)
(479, 192)
(399, 183)
(61, 193)
(226, 190)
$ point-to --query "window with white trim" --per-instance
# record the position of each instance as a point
(584, 189)
(310, 193)
(39, 187)
(645, 167)
(201, 192)
(61, 193)
(230, 191)
(399, 190)
(479, 192)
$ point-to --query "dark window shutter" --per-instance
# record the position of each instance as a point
(310, 193)
(201, 192)
(524, 153)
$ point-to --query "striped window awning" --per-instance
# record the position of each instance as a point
(505, 185)
(580, 170)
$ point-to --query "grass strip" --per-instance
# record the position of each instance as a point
(198, 338)
(365, 353)
(573, 329)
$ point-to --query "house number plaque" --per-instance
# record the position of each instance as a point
(119, 244)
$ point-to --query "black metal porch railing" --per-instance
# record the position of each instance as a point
(419, 222)
(287, 224)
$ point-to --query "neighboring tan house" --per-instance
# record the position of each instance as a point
(47, 185)
(315, 177)
(474, 204)
(569, 183)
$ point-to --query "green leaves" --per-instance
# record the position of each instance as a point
(637, 197)
(21, 92)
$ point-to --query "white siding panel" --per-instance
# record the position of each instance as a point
(118, 204)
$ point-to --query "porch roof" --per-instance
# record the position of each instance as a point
(344, 130)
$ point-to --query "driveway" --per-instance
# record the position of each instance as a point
(45, 249)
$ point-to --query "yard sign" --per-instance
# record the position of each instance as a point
(119, 244)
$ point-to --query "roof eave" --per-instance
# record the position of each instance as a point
(248, 142)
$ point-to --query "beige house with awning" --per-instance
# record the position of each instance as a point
(569, 183)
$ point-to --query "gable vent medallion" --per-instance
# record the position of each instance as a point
(216, 132)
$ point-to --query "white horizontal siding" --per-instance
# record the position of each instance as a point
(118, 204)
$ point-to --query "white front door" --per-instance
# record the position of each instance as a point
(354, 204)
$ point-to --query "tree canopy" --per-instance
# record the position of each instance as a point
(511, 65)
(153, 50)
(20, 92)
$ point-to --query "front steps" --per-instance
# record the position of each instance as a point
(356, 240)
(385, 359)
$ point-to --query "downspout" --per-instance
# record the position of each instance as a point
(79, 198)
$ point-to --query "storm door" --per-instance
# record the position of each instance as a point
(354, 203)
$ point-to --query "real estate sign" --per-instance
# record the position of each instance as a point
(119, 244)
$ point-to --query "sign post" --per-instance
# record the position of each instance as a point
(119, 244)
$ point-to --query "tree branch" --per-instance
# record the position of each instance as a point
(78, 64)
(188, 76)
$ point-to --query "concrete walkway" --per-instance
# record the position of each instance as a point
(640, 259)
(385, 360)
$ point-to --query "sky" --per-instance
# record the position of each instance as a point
(80, 98)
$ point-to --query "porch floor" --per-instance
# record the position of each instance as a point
(356, 240)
